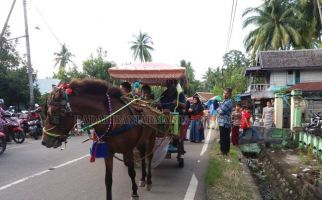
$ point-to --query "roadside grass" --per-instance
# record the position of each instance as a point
(226, 180)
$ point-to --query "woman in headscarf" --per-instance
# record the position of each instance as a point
(197, 129)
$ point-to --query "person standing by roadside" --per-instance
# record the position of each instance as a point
(236, 118)
(246, 124)
(197, 129)
(224, 121)
(268, 118)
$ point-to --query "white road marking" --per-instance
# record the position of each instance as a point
(191, 191)
(205, 145)
(41, 173)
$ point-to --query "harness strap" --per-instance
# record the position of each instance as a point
(117, 131)
(111, 115)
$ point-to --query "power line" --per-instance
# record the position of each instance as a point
(46, 23)
(231, 16)
(231, 23)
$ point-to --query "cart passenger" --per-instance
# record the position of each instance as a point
(170, 101)
(146, 93)
(126, 89)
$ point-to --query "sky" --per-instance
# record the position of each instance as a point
(192, 30)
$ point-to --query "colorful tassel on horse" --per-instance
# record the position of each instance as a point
(98, 150)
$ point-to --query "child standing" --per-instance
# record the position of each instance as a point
(236, 118)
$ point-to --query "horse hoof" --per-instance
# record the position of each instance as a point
(135, 197)
(149, 187)
(141, 183)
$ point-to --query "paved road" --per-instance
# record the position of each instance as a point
(30, 171)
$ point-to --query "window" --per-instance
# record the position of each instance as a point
(290, 78)
(297, 76)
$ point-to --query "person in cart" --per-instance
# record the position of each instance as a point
(171, 101)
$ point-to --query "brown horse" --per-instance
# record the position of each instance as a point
(95, 98)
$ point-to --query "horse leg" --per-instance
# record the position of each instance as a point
(150, 153)
(142, 150)
(108, 176)
(131, 172)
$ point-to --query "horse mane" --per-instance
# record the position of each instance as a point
(94, 87)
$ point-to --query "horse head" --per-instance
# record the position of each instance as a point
(81, 98)
(59, 119)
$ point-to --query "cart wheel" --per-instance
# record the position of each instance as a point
(181, 162)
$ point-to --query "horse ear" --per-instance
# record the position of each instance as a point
(115, 92)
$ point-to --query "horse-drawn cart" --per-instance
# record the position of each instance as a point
(157, 74)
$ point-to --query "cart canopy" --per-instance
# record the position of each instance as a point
(147, 73)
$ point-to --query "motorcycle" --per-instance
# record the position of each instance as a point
(34, 128)
(314, 127)
(3, 142)
(31, 125)
(13, 128)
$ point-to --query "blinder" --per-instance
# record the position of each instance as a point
(57, 117)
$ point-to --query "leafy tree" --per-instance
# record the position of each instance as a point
(14, 84)
(141, 47)
(214, 78)
(278, 26)
(231, 74)
(193, 84)
(97, 67)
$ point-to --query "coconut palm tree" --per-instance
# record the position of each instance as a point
(63, 57)
(310, 11)
(277, 27)
(141, 47)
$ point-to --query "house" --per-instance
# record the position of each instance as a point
(274, 70)
(45, 85)
(204, 96)
(281, 69)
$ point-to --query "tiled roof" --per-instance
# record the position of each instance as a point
(292, 59)
(205, 96)
(308, 87)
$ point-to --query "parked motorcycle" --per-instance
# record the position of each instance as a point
(314, 127)
(13, 128)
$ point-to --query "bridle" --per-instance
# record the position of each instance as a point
(58, 116)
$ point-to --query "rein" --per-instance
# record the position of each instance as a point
(109, 116)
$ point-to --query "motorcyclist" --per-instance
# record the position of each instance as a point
(35, 114)
(3, 128)
(2, 111)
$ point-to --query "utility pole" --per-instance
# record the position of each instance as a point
(6, 23)
(31, 88)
